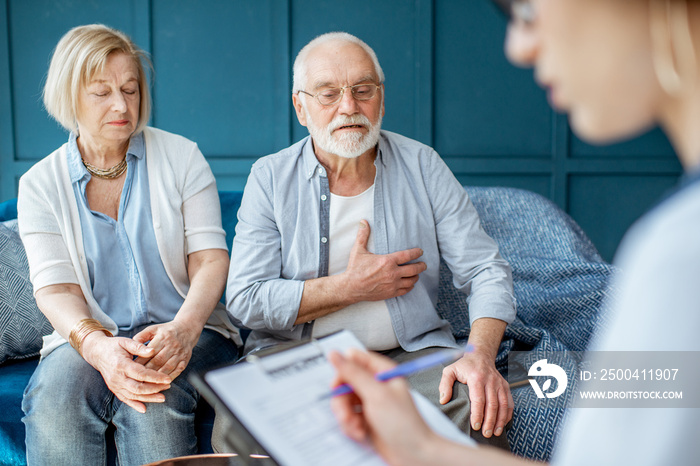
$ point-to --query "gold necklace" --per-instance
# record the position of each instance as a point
(106, 173)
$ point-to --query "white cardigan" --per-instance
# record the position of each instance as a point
(186, 218)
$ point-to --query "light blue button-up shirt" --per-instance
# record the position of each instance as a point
(282, 240)
(127, 275)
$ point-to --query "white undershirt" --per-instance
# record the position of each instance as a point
(368, 320)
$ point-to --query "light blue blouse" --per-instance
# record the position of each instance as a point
(126, 272)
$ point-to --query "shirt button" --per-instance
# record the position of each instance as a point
(323, 197)
(324, 240)
(321, 171)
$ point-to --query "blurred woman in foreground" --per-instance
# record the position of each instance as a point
(618, 67)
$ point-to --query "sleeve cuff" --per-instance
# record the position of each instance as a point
(282, 304)
(56, 273)
(205, 238)
(496, 306)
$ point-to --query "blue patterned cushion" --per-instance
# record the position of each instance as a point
(561, 285)
(21, 323)
(559, 279)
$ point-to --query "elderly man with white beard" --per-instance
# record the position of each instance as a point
(345, 230)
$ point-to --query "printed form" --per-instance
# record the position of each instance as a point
(280, 400)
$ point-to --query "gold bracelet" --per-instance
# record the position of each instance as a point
(82, 329)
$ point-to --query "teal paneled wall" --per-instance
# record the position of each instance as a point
(222, 74)
(223, 78)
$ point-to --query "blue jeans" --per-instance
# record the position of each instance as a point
(68, 408)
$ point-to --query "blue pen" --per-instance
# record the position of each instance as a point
(410, 367)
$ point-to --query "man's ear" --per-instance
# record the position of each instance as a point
(298, 107)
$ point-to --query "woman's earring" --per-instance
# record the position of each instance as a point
(673, 53)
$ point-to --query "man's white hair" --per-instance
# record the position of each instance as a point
(300, 67)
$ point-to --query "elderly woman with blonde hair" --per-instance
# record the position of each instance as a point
(122, 227)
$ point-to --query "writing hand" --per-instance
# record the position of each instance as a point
(381, 413)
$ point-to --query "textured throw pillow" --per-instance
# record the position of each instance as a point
(21, 323)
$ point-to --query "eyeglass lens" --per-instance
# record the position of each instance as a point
(359, 92)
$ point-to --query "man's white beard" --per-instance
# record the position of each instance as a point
(347, 144)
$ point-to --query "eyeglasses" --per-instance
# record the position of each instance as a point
(333, 95)
(517, 10)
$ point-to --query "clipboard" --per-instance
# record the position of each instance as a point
(273, 402)
(276, 404)
(238, 440)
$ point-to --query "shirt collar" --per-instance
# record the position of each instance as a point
(137, 146)
(76, 169)
(382, 149)
(312, 165)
